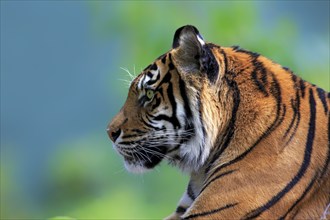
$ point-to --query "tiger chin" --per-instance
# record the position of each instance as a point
(254, 137)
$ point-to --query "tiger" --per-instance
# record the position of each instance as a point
(253, 136)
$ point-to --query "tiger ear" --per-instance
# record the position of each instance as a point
(188, 48)
(191, 53)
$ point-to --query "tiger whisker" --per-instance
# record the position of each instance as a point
(157, 153)
(127, 82)
(128, 72)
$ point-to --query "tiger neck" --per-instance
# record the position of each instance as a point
(244, 113)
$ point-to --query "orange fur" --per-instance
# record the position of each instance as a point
(267, 133)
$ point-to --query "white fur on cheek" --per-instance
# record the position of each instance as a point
(196, 150)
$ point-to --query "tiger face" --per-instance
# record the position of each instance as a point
(157, 120)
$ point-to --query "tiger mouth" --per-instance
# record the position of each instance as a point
(147, 157)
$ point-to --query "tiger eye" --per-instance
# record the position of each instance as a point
(150, 94)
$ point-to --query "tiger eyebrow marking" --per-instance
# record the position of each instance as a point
(152, 81)
(141, 81)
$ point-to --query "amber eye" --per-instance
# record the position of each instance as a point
(150, 94)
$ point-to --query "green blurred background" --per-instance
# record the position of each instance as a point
(61, 83)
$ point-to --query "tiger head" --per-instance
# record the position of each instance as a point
(163, 116)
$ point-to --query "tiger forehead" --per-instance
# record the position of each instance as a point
(149, 77)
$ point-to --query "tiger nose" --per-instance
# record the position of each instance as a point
(113, 133)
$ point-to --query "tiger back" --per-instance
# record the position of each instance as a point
(254, 137)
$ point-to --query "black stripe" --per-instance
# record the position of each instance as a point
(294, 214)
(150, 75)
(211, 211)
(230, 130)
(215, 178)
(153, 67)
(229, 133)
(138, 131)
(180, 209)
(293, 103)
(184, 96)
(142, 80)
(302, 87)
(306, 161)
(225, 60)
(308, 188)
(189, 125)
(321, 94)
(163, 57)
(209, 64)
(149, 118)
(325, 167)
(296, 109)
(275, 91)
(157, 103)
(150, 82)
(259, 69)
(235, 47)
(190, 192)
(127, 142)
(166, 79)
(295, 127)
(259, 85)
(174, 120)
(131, 136)
(240, 50)
(199, 104)
(171, 66)
(281, 118)
(147, 124)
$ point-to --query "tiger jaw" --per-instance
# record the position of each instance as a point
(138, 159)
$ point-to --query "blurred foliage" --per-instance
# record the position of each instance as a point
(86, 178)
(62, 218)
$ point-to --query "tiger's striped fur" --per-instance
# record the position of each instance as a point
(254, 137)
